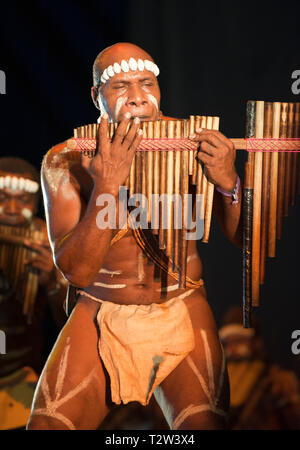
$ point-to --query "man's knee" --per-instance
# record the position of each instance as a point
(45, 423)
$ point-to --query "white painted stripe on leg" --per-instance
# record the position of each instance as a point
(200, 378)
(209, 364)
(192, 409)
(55, 415)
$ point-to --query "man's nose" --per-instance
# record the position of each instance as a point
(137, 97)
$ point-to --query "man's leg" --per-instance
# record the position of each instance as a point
(196, 394)
(71, 392)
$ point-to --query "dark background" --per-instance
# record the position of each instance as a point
(213, 57)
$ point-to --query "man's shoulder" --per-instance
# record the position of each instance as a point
(59, 157)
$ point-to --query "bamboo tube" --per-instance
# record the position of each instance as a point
(295, 156)
(156, 175)
(247, 218)
(195, 162)
(163, 175)
(200, 169)
(191, 155)
(209, 194)
(265, 190)
(177, 231)
(298, 156)
(289, 161)
(258, 160)
(149, 172)
(170, 190)
(144, 167)
(184, 187)
(281, 172)
(273, 183)
(204, 187)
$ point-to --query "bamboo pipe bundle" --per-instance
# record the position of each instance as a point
(168, 173)
(269, 189)
(22, 278)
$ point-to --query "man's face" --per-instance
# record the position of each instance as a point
(17, 207)
(134, 92)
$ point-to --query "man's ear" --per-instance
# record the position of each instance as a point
(94, 94)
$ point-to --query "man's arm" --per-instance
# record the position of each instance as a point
(217, 153)
(79, 246)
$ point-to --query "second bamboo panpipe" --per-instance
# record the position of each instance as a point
(269, 190)
(23, 279)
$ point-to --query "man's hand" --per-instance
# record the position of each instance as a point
(217, 152)
(42, 261)
(112, 162)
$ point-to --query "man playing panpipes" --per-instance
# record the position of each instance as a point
(23, 360)
(127, 337)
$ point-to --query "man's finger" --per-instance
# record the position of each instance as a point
(206, 159)
(121, 130)
(102, 135)
(211, 138)
(129, 138)
(135, 144)
(207, 148)
(217, 133)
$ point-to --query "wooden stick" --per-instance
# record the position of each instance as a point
(248, 219)
(274, 183)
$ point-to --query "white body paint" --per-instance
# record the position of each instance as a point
(27, 213)
(53, 402)
(109, 286)
(110, 272)
(210, 389)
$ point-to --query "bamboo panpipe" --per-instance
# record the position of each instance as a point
(271, 180)
(22, 278)
(270, 186)
(171, 173)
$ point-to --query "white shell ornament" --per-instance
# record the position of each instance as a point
(140, 65)
(117, 68)
(132, 64)
(110, 71)
(124, 66)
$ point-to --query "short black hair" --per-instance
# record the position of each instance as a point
(20, 166)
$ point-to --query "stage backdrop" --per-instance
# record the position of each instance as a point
(213, 58)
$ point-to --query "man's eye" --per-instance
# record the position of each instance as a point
(119, 86)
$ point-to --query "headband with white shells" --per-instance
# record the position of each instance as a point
(16, 184)
(125, 66)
